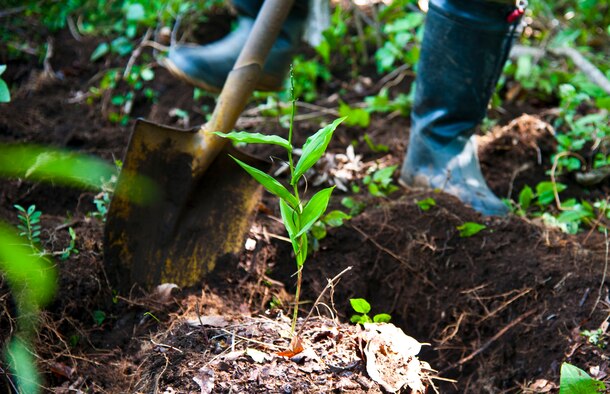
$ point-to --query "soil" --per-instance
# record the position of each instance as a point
(497, 312)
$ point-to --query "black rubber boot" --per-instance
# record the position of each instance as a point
(463, 52)
(207, 66)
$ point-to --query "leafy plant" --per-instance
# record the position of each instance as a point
(398, 47)
(354, 116)
(29, 224)
(426, 203)
(379, 183)
(574, 380)
(595, 337)
(298, 215)
(319, 230)
(469, 229)
(5, 93)
(355, 207)
(71, 249)
(361, 306)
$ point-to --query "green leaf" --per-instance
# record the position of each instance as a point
(545, 192)
(315, 208)
(269, 183)
(290, 219)
(525, 197)
(426, 203)
(2, 68)
(5, 93)
(574, 380)
(99, 317)
(469, 229)
(360, 305)
(147, 74)
(255, 138)
(354, 116)
(335, 218)
(313, 149)
(318, 230)
(382, 318)
(100, 51)
(135, 12)
(121, 45)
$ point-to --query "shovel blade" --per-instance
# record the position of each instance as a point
(193, 220)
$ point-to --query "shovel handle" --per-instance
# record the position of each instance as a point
(242, 80)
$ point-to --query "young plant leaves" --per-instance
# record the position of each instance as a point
(469, 229)
(360, 305)
(255, 138)
(313, 149)
(382, 318)
(314, 209)
(273, 186)
(290, 219)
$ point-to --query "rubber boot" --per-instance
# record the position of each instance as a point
(464, 49)
(207, 66)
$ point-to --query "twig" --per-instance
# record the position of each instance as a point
(601, 286)
(590, 71)
(73, 29)
(12, 11)
(553, 180)
(503, 331)
(504, 305)
(165, 346)
(330, 284)
(136, 53)
(48, 70)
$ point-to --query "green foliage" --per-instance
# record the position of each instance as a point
(71, 249)
(469, 229)
(595, 337)
(379, 183)
(574, 380)
(307, 75)
(361, 306)
(298, 215)
(373, 146)
(399, 46)
(355, 207)
(383, 103)
(29, 226)
(354, 116)
(5, 93)
(426, 203)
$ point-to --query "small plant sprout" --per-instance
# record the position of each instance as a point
(360, 305)
(71, 249)
(29, 224)
(469, 229)
(298, 214)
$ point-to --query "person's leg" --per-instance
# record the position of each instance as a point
(207, 66)
(463, 52)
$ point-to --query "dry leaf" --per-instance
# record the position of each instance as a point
(212, 321)
(296, 347)
(257, 355)
(163, 292)
(205, 380)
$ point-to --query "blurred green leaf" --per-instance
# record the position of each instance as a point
(469, 229)
(360, 305)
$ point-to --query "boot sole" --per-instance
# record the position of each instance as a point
(267, 83)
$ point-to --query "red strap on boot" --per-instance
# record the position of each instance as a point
(518, 12)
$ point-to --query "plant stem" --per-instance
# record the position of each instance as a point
(296, 300)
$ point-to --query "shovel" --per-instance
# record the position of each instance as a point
(204, 201)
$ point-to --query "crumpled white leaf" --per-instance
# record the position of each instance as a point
(391, 357)
(205, 380)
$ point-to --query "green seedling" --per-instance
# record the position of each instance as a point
(98, 317)
(5, 93)
(469, 229)
(355, 207)
(361, 306)
(380, 182)
(426, 203)
(71, 249)
(354, 116)
(595, 337)
(29, 226)
(319, 230)
(574, 380)
(298, 214)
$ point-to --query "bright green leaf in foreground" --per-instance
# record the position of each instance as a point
(382, 318)
(469, 229)
(426, 203)
(576, 381)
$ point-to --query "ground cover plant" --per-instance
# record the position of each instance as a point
(505, 305)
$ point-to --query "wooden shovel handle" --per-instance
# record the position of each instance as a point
(242, 80)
